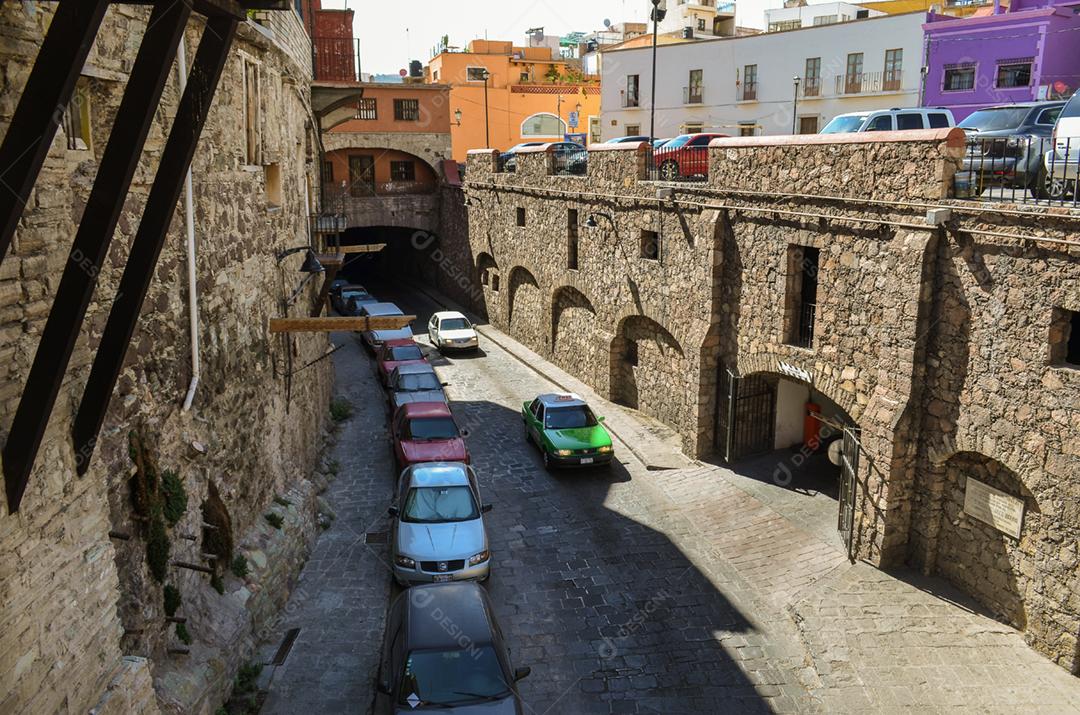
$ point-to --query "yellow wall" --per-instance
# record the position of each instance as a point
(507, 109)
(899, 7)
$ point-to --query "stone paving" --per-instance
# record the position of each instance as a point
(636, 591)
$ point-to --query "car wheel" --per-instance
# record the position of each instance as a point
(547, 460)
(528, 435)
(669, 170)
(1049, 188)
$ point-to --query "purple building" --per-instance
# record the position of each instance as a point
(1028, 51)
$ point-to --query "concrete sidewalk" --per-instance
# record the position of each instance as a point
(653, 443)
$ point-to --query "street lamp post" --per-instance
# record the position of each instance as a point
(795, 109)
(659, 11)
(487, 115)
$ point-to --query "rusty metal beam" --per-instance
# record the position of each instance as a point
(332, 324)
(158, 213)
(41, 106)
(118, 164)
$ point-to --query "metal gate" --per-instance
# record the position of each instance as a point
(849, 472)
(745, 415)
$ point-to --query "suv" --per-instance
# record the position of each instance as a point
(444, 652)
(1061, 165)
(1006, 144)
(887, 120)
(685, 156)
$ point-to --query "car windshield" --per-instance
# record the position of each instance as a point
(569, 417)
(418, 382)
(679, 141)
(843, 125)
(437, 505)
(995, 120)
(448, 677)
(454, 324)
(405, 352)
(432, 428)
(347, 293)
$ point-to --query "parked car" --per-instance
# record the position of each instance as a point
(1006, 145)
(426, 432)
(1061, 165)
(657, 143)
(373, 339)
(684, 156)
(887, 120)
(413, 383)
(394, 354)
(340, 297)
(566, 431)
(437, 532)
(427, 666)
(508, 158)
(626, 140)
(450, 330)
(570, 158)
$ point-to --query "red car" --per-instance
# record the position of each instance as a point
(684, 157)
(426, 432)
(396, 352)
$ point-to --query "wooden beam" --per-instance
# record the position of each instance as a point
(210, 59)
(329, 325)
(331, 259)
(324, 292)
(373, 248)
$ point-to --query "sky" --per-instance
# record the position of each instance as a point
(396, 32)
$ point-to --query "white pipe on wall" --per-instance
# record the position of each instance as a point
(189, 217)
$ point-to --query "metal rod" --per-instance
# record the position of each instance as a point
(192, 567)
(119, 535)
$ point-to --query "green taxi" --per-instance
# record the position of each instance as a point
(566, 431)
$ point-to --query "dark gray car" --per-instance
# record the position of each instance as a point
(1005, 146)
(413, 383)
(444, 652)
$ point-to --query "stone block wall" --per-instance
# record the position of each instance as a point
(935, 341)
(83, 618)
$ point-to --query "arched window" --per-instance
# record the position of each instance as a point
(543, 125)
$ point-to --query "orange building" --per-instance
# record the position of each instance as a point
(531, 93)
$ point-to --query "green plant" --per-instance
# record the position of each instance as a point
(552, 75)
(175, 503)
(157, 547)
(247, 675)
(275, 520)
(182, 634)
(172, 600)
(217, 584)
(240, 566)
(340, 409)
(282, 501)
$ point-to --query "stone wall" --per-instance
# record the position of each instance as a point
(932, 337)
(83, 618)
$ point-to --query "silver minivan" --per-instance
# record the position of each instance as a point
(888, 120)
(1062, 163)
(375, 338)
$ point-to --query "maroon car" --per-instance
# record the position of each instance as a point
(426, 432)
(684, 157)
(393, 353)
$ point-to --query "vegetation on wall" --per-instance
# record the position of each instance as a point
(158, 503)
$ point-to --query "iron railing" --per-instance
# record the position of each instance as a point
(570, 162)
(749, 91)
(631, 100)
(811, 87)
(804, 333)
(1020, 169)
(685, 163)
(869, 82)
(335, 59)
(693, 95)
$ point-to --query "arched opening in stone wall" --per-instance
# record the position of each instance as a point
(487, 273)
(786, 439)
(574, 333)
(525, 309)
(994, 566)
(645, 361)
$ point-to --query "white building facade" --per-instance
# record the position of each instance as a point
(746, 85)
(699, 19)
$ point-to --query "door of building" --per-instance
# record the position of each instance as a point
(745, 415)
(361, 175)
(808, 125)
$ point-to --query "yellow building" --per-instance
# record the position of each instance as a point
(952, 9)
(531, 93)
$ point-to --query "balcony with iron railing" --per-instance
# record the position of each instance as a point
(810, 88)
(869, 82)
(693, 95)
(749, 92)
(335, 59)
(631, 100)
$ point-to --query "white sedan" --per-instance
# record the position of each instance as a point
(451, 330)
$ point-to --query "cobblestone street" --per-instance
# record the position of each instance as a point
(641, 591)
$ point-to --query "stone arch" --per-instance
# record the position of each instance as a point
(564, 298)
(575, 333)
(525, 307)
(423, 146)
(645, 360)
(824, 383)
(993, 567)
(485, 264)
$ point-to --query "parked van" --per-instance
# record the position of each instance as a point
(1061, 165)
(374, 339)
(887, 120)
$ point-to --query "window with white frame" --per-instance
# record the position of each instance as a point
(476, 74)
(543, 125)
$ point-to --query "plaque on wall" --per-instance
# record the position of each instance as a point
(992, 506)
